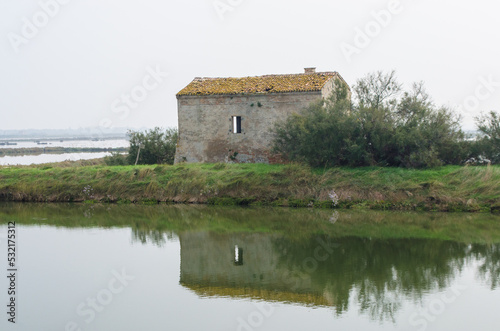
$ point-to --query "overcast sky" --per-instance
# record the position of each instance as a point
(119, 63)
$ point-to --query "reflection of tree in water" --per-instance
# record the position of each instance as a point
(376, 276)
(380, 273)
(489, 268)
(154, 236)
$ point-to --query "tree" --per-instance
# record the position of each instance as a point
(377, 90)
(383, 126)
(426, 135)
(318, 132)
(157, 146)
(488, 144)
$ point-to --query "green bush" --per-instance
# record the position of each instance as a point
(488, 144)
(383, 126)
(157, 146)
(116, 159)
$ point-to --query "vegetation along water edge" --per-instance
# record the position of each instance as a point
(446, 188)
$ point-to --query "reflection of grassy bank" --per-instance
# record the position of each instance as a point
(149, 221)
(449, 188)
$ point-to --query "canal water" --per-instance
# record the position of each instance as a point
(50, 158)
(169, 267)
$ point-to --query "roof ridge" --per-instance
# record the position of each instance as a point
(271, 83)
(273, 75)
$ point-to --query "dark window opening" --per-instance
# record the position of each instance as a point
(236, 124)
(238, 255)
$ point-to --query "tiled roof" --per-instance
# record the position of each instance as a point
(262, 84)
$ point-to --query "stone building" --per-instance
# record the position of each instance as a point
(231, 119)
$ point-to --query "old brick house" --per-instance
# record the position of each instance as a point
(231, 119)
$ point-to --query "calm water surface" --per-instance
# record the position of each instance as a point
(49, 158)
(94, 267)
(108, 143)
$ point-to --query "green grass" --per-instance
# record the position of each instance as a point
(450, 188)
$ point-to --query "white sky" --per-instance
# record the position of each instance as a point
(73, 71)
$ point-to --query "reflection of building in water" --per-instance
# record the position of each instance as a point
(379, 273)
(242, 265)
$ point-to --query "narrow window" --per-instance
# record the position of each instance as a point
(238, 255)
(236, 124)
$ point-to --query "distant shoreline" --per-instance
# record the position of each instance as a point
(56, 150)
(60, 138)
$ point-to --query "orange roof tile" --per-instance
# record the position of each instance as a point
(261, 84)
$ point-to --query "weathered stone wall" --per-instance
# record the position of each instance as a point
(329, 87)
(205, 127)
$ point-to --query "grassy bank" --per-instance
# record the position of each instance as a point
(450, 188)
